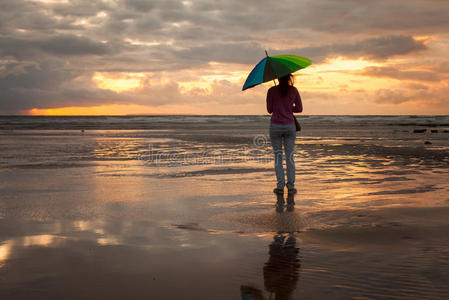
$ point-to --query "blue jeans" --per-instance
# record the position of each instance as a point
(287, 135)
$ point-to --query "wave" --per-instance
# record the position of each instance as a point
(205, 122)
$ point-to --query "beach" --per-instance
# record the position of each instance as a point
(182, 207)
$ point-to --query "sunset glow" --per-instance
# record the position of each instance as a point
(341, 64)
(102, 110)
(116, 110)
(118, 82)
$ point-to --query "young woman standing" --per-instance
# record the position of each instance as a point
(282, 101)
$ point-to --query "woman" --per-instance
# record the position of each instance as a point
(282, 101)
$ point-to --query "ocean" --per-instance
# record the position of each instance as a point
(162, 206)
(178, 121)
(177, 137)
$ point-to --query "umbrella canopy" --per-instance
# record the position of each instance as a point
(272, 67)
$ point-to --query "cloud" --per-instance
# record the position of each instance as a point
(50, 83)
(244, 53)
(442, 67)
(424, 96)
(72, 45)
(375, 17)
(32, 17)
(396, 96)
(379, 48)
(49, 49)
(80, 8)
(391, 72)
(416, 86)
(26, 48)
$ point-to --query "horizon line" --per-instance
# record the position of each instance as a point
(222, 115)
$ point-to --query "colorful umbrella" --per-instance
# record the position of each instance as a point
(272, 67)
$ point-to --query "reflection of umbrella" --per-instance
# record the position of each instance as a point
(272, 67)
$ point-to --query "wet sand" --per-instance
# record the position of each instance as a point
(171, 214)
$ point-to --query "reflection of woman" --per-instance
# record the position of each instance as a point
(282, 101)
(281, 272)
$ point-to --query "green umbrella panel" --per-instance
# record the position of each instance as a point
(272, 67)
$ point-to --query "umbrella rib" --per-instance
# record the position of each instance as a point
(272, 69)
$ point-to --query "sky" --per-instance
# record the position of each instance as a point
(118, 57)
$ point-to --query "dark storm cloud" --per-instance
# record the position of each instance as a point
(80, 8)
(46, 46)
(25, 86)
(139, 5)
(30, 16)
(23, 48)
(73, 45)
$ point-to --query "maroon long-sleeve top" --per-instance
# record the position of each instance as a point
(282, 108)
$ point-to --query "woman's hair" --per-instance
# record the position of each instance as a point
(285, 83)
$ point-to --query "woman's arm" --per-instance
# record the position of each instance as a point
(297, 104)
(269, 102)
